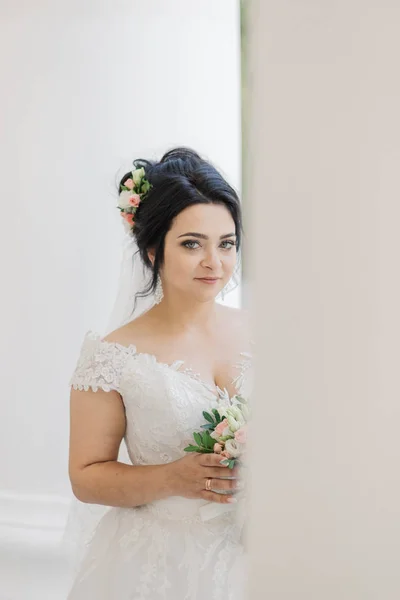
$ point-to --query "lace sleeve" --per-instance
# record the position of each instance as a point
(100, 364)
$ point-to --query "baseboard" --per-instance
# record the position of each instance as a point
(37, 519)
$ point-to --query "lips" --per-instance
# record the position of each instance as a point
(208, 279)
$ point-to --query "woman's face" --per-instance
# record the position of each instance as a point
(200, 252)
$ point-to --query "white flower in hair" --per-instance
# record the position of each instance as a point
(123, 201)
(137, 175)
(133, 190)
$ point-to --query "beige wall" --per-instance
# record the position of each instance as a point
(325, 188)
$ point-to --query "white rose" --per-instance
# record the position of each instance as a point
(233, 448)
(233, 424)
(137, 175)
(222, 411)
(237, 414)
(123, 201)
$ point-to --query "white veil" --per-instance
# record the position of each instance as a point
(134, 277)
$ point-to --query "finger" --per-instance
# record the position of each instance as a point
(212, 460)
(235, 472)
(215, 472)
(219, 498)
(222, 485)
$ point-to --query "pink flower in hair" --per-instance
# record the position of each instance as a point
(128, 218)
(129, 184)
(134, 200)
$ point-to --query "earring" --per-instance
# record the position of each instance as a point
(225, 290)
(158, 292)
(221, 294)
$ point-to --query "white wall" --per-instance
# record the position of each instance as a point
(87, 87)
(325, 157)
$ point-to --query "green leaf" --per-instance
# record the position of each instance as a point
(145, 186)
(198, 449)
(217, 415)
(192, 449)
(208, 426)
(225, 462)
(198, 438)
(208, 441)
(208, 417)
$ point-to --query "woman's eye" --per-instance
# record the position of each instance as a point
(230, 244)
(189, 244)
(194, 244)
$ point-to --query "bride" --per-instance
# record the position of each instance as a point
(175, 353)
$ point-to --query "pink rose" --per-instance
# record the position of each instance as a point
(226, 454)
(129, 184)
(134, 200)
(217, 448)
(241, 435)
(128, 218)
(220, 428)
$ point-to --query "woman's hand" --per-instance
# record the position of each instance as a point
(188, 477)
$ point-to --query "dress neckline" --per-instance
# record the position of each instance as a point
(175, 366)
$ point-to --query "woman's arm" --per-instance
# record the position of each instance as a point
(97, 427)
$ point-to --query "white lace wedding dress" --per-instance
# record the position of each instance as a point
(162, 550)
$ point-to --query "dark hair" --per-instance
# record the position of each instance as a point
(180, 179)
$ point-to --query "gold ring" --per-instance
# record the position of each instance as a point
(208, 484)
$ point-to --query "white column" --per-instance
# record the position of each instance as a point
(324, 158)
(86, 88)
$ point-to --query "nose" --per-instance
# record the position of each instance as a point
(211, 259)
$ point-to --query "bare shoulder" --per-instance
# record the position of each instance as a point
(131, 333)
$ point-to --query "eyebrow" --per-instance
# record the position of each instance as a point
(205, 237)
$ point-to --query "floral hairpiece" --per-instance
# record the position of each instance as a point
(132, 193)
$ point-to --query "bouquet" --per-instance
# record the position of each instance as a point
(224, 433)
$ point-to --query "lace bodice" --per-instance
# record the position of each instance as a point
(163, 403)
(161, 550)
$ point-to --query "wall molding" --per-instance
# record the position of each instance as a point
(32, 518)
